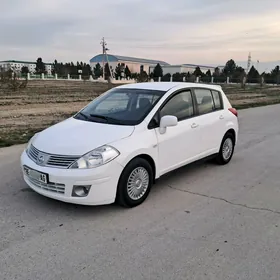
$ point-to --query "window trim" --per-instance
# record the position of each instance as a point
(156, 116)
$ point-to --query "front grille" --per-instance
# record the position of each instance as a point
(59, 161)
(52, 187)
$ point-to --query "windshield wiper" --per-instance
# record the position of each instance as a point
(108, 119)
(84, 115)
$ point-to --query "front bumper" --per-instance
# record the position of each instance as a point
(103, 181)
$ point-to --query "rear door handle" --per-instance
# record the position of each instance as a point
(221, 117)
(194, 125)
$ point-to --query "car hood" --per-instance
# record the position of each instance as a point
(77, 137)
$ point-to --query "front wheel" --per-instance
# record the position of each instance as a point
(135, 183)
(226, 150)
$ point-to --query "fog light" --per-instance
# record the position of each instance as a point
(80, 191)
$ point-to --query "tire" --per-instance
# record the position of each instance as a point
(223, 156)
(138, 178)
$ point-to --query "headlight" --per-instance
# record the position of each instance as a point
(97, 157)
(30, 142)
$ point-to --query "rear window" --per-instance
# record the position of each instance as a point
(217, 100)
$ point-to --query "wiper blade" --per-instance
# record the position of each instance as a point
(84, 115)
(108, 119)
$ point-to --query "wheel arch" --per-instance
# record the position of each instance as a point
(233, 133)
(149, 159)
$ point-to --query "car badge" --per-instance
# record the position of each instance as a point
(40, 159)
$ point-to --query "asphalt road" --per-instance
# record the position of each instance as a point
(200, 222)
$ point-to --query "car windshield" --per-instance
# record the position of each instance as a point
(121, 106)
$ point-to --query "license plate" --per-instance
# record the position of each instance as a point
(35, 175)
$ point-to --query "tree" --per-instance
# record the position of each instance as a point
(142, 77)
(97, 70)
(134, 76)
(40, 66)
(55, 67)
(24, 70)
(197, 72)
(216, 72)
(127, 72)
(87, 70)
(157, 71)
(178, 77)
(229, 68)
(188, 76)
(238, 75)
(275, 74)
(166, 77)
(253, 75)
(118, 71)
(107, 71)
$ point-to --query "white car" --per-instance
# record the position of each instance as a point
(120, 143)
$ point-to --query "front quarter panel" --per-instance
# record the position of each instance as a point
(142, 142)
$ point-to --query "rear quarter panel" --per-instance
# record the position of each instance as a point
(231, 120)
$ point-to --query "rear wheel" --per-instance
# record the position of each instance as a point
(135, 183)
(226, 150)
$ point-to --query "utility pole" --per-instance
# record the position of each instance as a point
(248, 63)
(104, 51)
(103, 44)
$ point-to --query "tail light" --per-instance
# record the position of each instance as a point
(234, 111)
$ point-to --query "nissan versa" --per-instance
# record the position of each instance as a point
(120, 143)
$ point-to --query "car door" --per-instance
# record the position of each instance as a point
(178, 145)
(210, 120)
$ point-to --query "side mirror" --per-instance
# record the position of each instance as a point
(167, 121)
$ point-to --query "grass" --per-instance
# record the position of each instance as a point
(44, 103)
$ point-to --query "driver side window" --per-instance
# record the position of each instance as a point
(180, 105)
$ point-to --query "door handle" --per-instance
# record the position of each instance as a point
(221, 117)
(194, 125)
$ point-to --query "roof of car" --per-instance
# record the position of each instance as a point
(165, 86)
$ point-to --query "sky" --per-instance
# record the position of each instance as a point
(205, 32)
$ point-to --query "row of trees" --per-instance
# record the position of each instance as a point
(121, 71)
(236, 72)
(232, 70)
(59, 68)
(70, 68)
